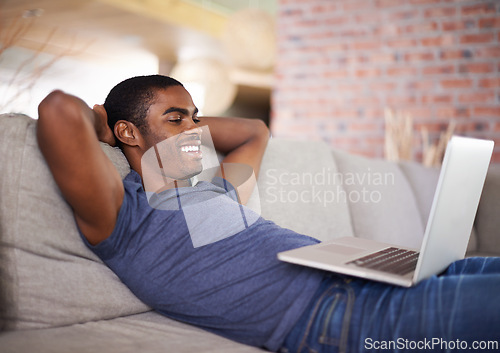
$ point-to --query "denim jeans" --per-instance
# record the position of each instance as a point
(458, 310)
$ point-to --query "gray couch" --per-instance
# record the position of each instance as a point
(57, 296)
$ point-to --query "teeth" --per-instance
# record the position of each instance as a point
(190, 148)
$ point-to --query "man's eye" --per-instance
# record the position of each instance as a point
(175, 119)
(196, 120)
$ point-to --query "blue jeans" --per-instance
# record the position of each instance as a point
(456, 310)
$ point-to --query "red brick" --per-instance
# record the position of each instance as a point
(476, 125)
(456, 83)
(438, 70)
(352, 5)
(421, 85)
(335, 47)
(419, 2)
(399, 100)
(387, 3)
(419, 28)
(477, 68)
(376, 113)
(431, 127)
(364, 127)
(490, 82)
(381, 58)
(350, 87)
(373, 140)
(477, 97)
(312, 115)
(492, 111)
(487, 52)
(335, 21)
(402, 71)
(324, 8)
(442, 40)
(420, 113)
(365, 18)
(358, 32)
(450, 112)
(382, 86)
(402, 42)
(477, 38)
(370, 72)
(368, 45)
(478, 9)
(320, 35)
(318, 61)
(438, 98)
(440, 12)
(458, 25)
(454, 54)
(412, 57)
(336, 74)
(342, 113)
(403, 15)
(365, 101)
(388, 29)
(489, 22)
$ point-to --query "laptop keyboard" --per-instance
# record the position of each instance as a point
(392, 260)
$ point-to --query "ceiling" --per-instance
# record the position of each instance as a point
(105, 29)
(230, 6)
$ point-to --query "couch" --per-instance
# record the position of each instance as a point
(57, 296)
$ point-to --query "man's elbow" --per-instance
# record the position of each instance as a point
(54, 105)
(60, 108)
(58, 114)
(261, 129)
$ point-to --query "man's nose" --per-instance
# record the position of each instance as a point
(196, 130)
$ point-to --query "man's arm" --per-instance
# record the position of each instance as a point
(68, 134)
(243, 141)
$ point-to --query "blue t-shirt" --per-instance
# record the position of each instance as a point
(235, 287)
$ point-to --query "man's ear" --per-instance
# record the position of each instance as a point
(127, 133)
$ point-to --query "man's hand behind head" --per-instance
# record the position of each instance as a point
(104, 133)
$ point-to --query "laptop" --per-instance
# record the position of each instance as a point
(447, 233)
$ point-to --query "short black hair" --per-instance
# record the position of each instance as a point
(130, 99)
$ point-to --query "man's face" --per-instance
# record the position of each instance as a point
(173, 136)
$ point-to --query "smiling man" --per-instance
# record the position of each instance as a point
(231, 285)
(219, 286)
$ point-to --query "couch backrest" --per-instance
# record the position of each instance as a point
(487, 221)
(299, 189)
(382, 203)
(47, 275)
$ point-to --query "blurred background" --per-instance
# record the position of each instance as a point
(382, 78)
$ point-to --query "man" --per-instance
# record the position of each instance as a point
(235, 286)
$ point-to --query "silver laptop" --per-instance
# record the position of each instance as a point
(446, 235)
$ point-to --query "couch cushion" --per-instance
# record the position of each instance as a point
(48, 276)
(381, 201)
(298, 189)
(146, 332)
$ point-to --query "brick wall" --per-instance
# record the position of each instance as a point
(342, 62)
